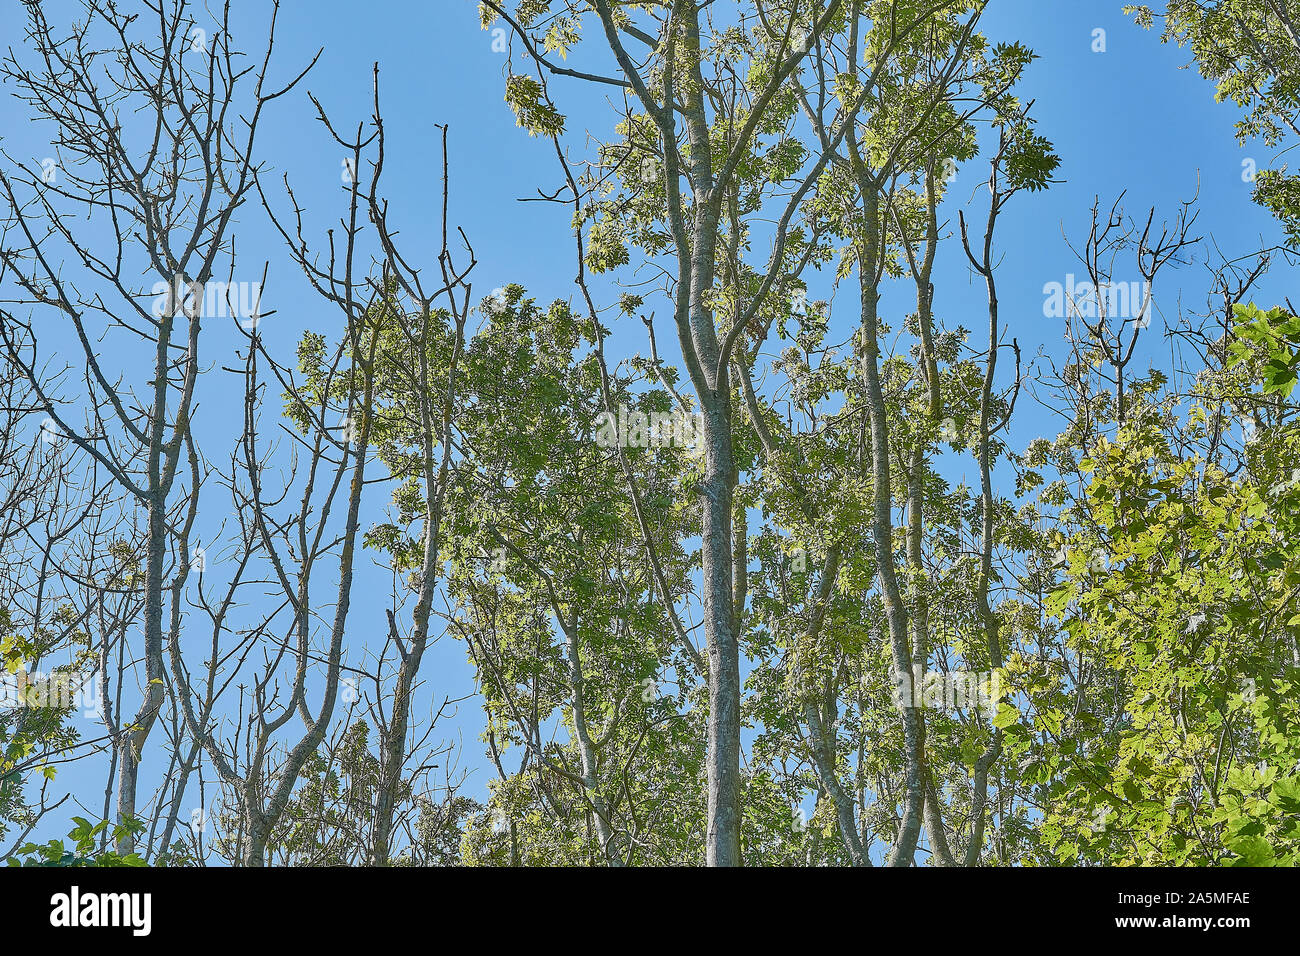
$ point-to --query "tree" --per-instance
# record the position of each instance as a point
(1178, 598)
(710, 145)
(546, 532)
(165, 191)
(726, 599)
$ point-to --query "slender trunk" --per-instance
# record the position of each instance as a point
(824, 763)
(940, 851)
(723, 732)
(135, 735)
(987, 615)
(587, 750)
(394, 742)
(262, 823)
(823, 738)
(882, 532)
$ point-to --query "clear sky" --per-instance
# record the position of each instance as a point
(1130, 118)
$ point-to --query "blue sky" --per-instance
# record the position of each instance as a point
(1130, 118)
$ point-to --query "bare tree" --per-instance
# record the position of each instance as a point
(154, 147)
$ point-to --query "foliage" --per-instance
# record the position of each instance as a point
(85, 847)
